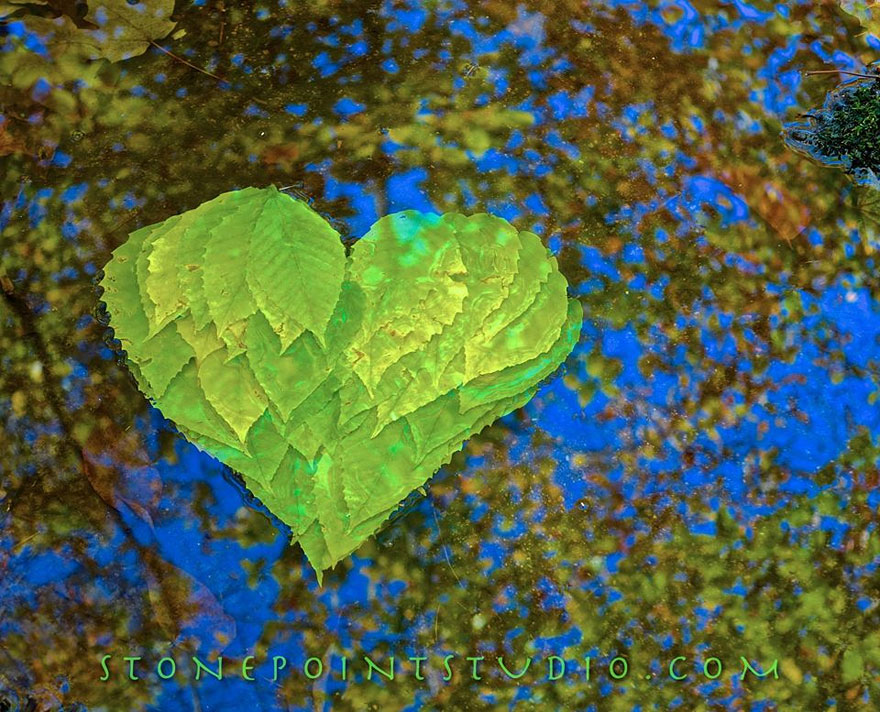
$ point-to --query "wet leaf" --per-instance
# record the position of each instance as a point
(120, 471)
(126, 30)
(120, 30)
(335, 386)
(9, 144)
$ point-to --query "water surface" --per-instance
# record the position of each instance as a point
(698, 480)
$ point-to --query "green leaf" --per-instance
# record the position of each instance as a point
(408, 267)
(287, 378)
(226, 253)
(193, 414)
(160, 355)
(284, 261)
(267, 447)
(232, 389)
(158, 296)
(293, 493)
(206, 219)
(122, 30)
(161, 269)
(126, 30)
(335, 386)
(529, 282)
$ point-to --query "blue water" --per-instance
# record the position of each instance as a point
(789, 407)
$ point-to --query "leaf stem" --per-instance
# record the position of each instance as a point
(187, 63)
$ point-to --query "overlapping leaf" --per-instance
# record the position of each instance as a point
(335, 386)
(115, 29)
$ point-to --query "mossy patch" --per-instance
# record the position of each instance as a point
(845, 132)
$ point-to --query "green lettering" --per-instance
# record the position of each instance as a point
(448, 676)
(276, 668)
(320, 668)
(672, 668)
(106, 675)
(246, 667)
(131, 662)
(201, 666)
(159, 668)
(474, 674)
(372, 666)
(625, 668)
(552, 659)
(748, 668)
(510, 674)
(717, 668)
(418, 662)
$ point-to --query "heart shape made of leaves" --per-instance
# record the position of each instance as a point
(334, 385)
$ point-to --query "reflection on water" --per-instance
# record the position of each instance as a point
(699, 480)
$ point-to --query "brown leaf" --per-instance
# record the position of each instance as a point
(769, 199)
(283, 155)
(120, 470)
(9, 144)
(180, 600)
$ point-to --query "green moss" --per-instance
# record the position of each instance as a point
(849, 128)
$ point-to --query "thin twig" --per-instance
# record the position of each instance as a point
(187, 63)
(445, 550)
(842, 71)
